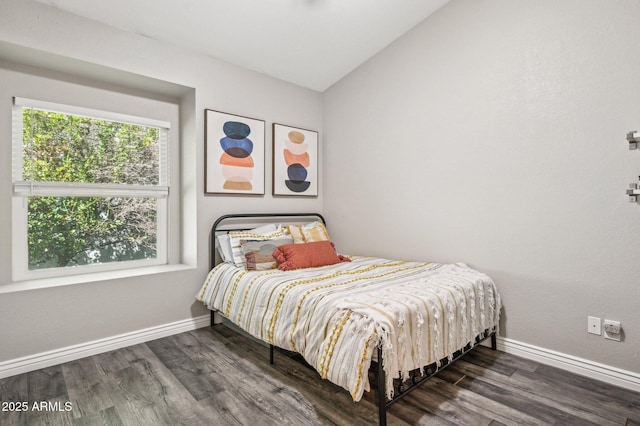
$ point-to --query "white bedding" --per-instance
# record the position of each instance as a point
(335, 316)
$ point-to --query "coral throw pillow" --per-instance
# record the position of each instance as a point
(307, 255)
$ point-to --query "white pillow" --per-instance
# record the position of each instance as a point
(265, 229)
(224, 248)
(224, 243)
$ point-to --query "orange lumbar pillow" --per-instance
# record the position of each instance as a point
(307, 255)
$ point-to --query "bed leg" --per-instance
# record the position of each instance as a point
(212, 319)
(494, 342)
(271, 354)
(382, 394)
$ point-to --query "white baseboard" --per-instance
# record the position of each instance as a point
(584, 367)
(71, 353)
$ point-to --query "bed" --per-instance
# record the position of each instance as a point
(406, 320)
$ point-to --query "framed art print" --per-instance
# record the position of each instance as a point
(234, 154)
(295, 161)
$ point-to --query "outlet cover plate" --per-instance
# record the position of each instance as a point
(610, 333)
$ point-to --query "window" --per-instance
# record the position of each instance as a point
(90, 190)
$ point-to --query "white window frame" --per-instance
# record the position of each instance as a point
(22, 189)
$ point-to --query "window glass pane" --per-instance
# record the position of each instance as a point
(72, 231)
(68, 148)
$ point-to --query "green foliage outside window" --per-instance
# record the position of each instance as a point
(67, 230)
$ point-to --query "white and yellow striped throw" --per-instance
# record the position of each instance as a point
(335, 316)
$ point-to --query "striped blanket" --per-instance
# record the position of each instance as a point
(335, 316)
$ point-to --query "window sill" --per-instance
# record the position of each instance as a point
(26, 285)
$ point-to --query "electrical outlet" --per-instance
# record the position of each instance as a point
(593, 325)
(612, 330)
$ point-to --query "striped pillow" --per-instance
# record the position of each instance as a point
(309, 233)
(236, 237)
(224, 245)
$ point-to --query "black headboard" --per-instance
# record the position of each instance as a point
(244, 221)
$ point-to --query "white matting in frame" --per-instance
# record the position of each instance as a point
(295, 161)
(234, 154)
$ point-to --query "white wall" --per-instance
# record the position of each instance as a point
(46, 319)
(493, 133)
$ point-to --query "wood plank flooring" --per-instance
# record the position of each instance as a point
(219, 377)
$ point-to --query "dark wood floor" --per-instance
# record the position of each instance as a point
(218, 377)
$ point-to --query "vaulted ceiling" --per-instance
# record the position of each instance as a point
(311, 43)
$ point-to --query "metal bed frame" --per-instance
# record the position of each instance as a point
(417, 377)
